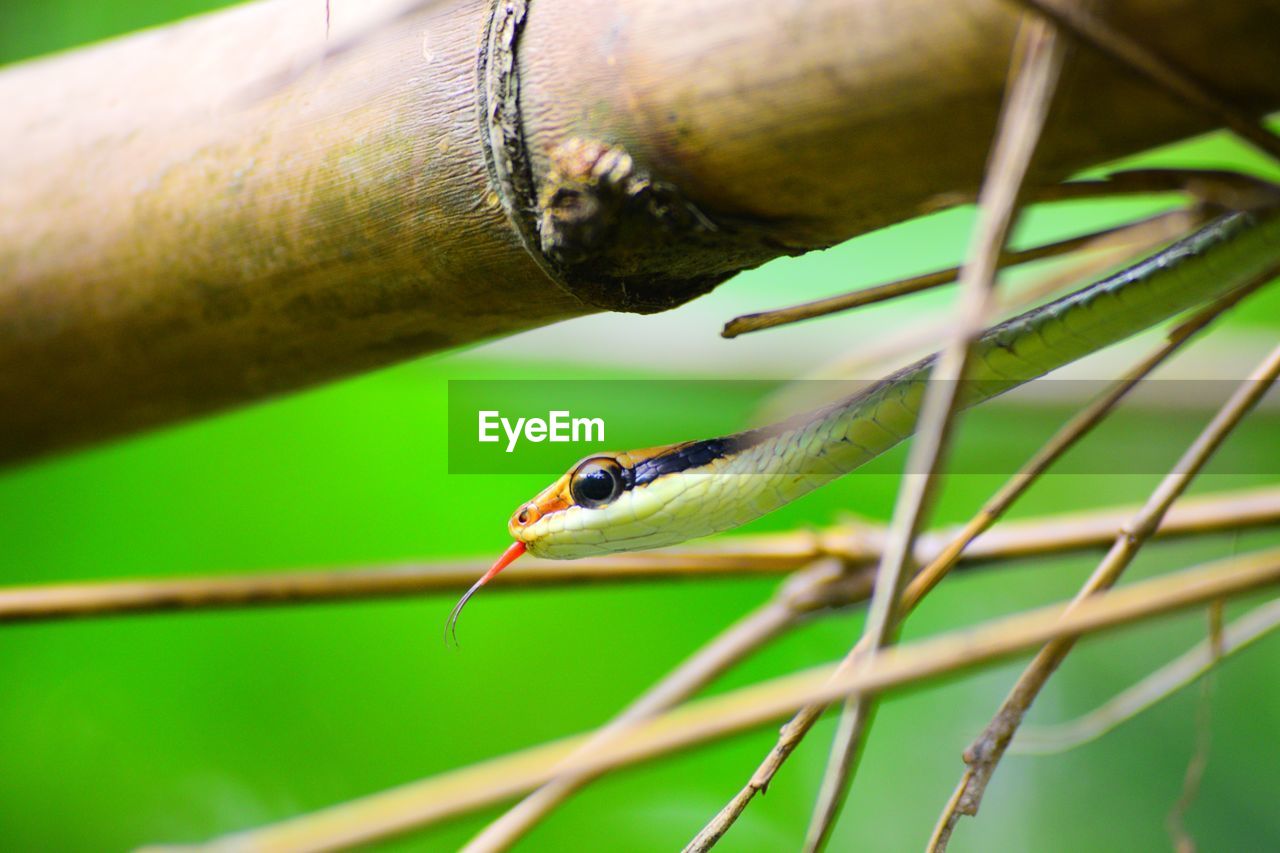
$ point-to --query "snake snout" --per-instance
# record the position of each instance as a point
(526, 515)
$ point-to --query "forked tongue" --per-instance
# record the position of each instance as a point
(508, 557)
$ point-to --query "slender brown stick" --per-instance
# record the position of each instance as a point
(772, 554)
(1156, 687)
(103, 598)
(1114, 251)
(1221, 188)
(766, 555)
(1175, 820)
(1034, 77)
(762, 320)
(1015, 142)
(1083, 24)
(985, 753)
(855, 543)
(417, 804)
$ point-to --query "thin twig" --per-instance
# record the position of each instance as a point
(1034, 77)
(1156, 687)
(984, 754)
(418, 804)
(1221, 188)
(1130, 243)
(767, 556)
(855, 544)
(1175, 821)
(1100, 35)
(762, 320)
(1077, 531)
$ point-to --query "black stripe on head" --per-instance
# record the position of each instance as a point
(687, 456)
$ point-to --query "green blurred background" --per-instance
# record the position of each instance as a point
(121, 732)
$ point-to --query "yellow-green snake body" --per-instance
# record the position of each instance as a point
(667, 495)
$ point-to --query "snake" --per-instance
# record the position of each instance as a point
(661, 496)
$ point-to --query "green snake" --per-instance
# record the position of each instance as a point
(659, 496)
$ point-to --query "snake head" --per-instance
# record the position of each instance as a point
(631, 501)
(546, 524)
(591, 484)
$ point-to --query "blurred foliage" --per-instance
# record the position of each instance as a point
(181, 727)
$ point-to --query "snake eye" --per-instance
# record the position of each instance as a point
(596, 483)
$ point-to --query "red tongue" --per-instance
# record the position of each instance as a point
(508, 557)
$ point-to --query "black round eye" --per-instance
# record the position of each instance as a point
(596, 483)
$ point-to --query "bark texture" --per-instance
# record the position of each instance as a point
(204, 214)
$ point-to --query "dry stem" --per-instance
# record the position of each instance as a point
(1034, 77)
(1126, 245)
(1194, 774)
(762, 320)
(854, 544)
